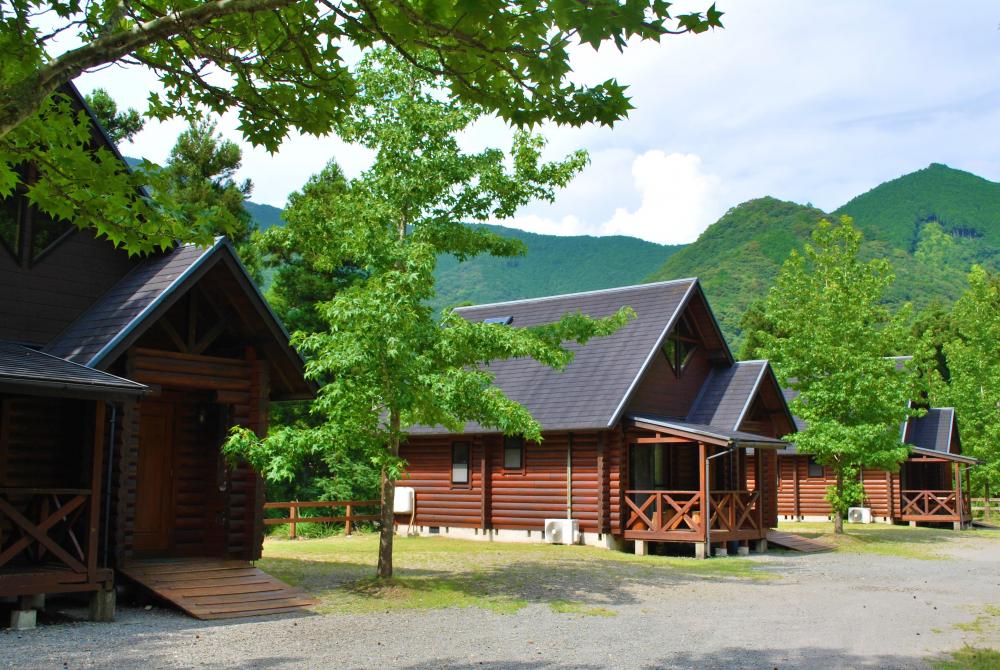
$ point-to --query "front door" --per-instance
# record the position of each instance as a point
(155, 479)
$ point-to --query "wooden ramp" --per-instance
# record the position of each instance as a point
(796, 542)
(209, 588)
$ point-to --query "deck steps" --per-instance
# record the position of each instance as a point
(796, 542)
(208, 588)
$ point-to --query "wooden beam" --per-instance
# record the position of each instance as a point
(703, 489)
(659, 439)
(96, 470)
(174, 336)
(211, 336)
(602, 484)
(486, 471)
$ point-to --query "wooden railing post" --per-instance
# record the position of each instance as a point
(293, 514)
(347, 519)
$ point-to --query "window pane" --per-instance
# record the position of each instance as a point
(815, 469)
(45, 231)
(513, 453)
(460, 463)
(670, 351)
(10, 223)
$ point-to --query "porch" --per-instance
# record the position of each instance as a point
(935, 488)
(689, 484)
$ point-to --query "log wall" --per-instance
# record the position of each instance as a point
(801, 495)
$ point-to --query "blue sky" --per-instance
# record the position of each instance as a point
(808, 101)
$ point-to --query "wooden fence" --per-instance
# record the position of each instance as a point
(979, 504)
(294, 517)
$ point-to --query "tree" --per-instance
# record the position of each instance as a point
(281, 66)
(120, 126)
(973, 360)
(830, 344)
(200, 174)
(386, 361)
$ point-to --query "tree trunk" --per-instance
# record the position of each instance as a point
(838, 517)
(388, 494)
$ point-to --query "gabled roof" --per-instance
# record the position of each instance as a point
(116, 320)
(933, 430)
(92, 336)
(593, 390)
(26, 370)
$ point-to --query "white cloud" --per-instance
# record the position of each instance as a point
(679, 200)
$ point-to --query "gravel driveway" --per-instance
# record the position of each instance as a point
(820, 611)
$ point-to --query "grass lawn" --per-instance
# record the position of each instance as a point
(434, 572)
(887, 540)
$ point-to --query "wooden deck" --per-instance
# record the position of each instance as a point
(207, 588)
(796, 542)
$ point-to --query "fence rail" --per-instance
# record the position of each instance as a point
(979, 504)
(294, 517)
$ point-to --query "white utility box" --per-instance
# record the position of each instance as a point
(404, 501)
(859, 515)
(562, 531)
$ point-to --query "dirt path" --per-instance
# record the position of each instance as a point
(819, 611)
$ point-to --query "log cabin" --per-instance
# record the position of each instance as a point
(931, 485)
(119, 378)
(645, 435)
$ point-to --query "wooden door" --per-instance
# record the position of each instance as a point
(154, 504)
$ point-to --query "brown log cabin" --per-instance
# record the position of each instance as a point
(119, 377)
(930, 487)
(630, 429)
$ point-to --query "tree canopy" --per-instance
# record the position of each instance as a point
(285, 65)
(385, 359)
(121, 125)
(829, 336)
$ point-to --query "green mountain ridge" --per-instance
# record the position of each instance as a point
(932, 225)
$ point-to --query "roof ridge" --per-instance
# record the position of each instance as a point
(614, 289)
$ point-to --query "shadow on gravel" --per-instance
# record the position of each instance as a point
(509, 585)
(810, 658)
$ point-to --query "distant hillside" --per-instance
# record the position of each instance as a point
(553, 264)
(264, 216)
(931, 224)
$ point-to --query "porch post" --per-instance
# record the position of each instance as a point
(968, 492)
(758, 481)
(795, 487)
(96, 467)
(957, 469)
(703, 489)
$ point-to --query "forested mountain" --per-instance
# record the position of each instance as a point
(931, 224)
(554, 264)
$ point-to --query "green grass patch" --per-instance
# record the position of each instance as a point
(437, 572)
(926, 544)
(983, 623)
(969, 658)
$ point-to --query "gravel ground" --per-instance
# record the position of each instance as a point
(821, 611)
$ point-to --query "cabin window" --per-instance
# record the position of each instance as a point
(460, 463)
(513, 453)
(20, 223)
(680, 345)
(815, 469)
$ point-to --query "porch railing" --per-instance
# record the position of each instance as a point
(44, 526)
(924, 503)
(736, 510)
(663, 511)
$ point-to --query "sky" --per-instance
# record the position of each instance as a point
(814, 102)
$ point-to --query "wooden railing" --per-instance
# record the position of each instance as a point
(663, 511)
(930, 503)
(736, 510)
(60, 531)
(980, 504)
(294, 517)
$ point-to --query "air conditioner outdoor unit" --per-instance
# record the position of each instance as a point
(404, 500)
(562, 531)
(859, 515)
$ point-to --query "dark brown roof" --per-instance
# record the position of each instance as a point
(103, 332)
(88, 339)
(736, 437)
(592, 391)
(26, 370)
(933, 430)
(726, 394)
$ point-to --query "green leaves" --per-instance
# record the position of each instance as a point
(829, 337)
(279, 65)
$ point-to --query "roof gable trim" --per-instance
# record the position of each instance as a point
(681, 306)
(753, 394)
(152, 306)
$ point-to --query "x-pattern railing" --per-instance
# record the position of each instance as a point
(735, 510)
(929, 503)
(57, 512)
(663, 511)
